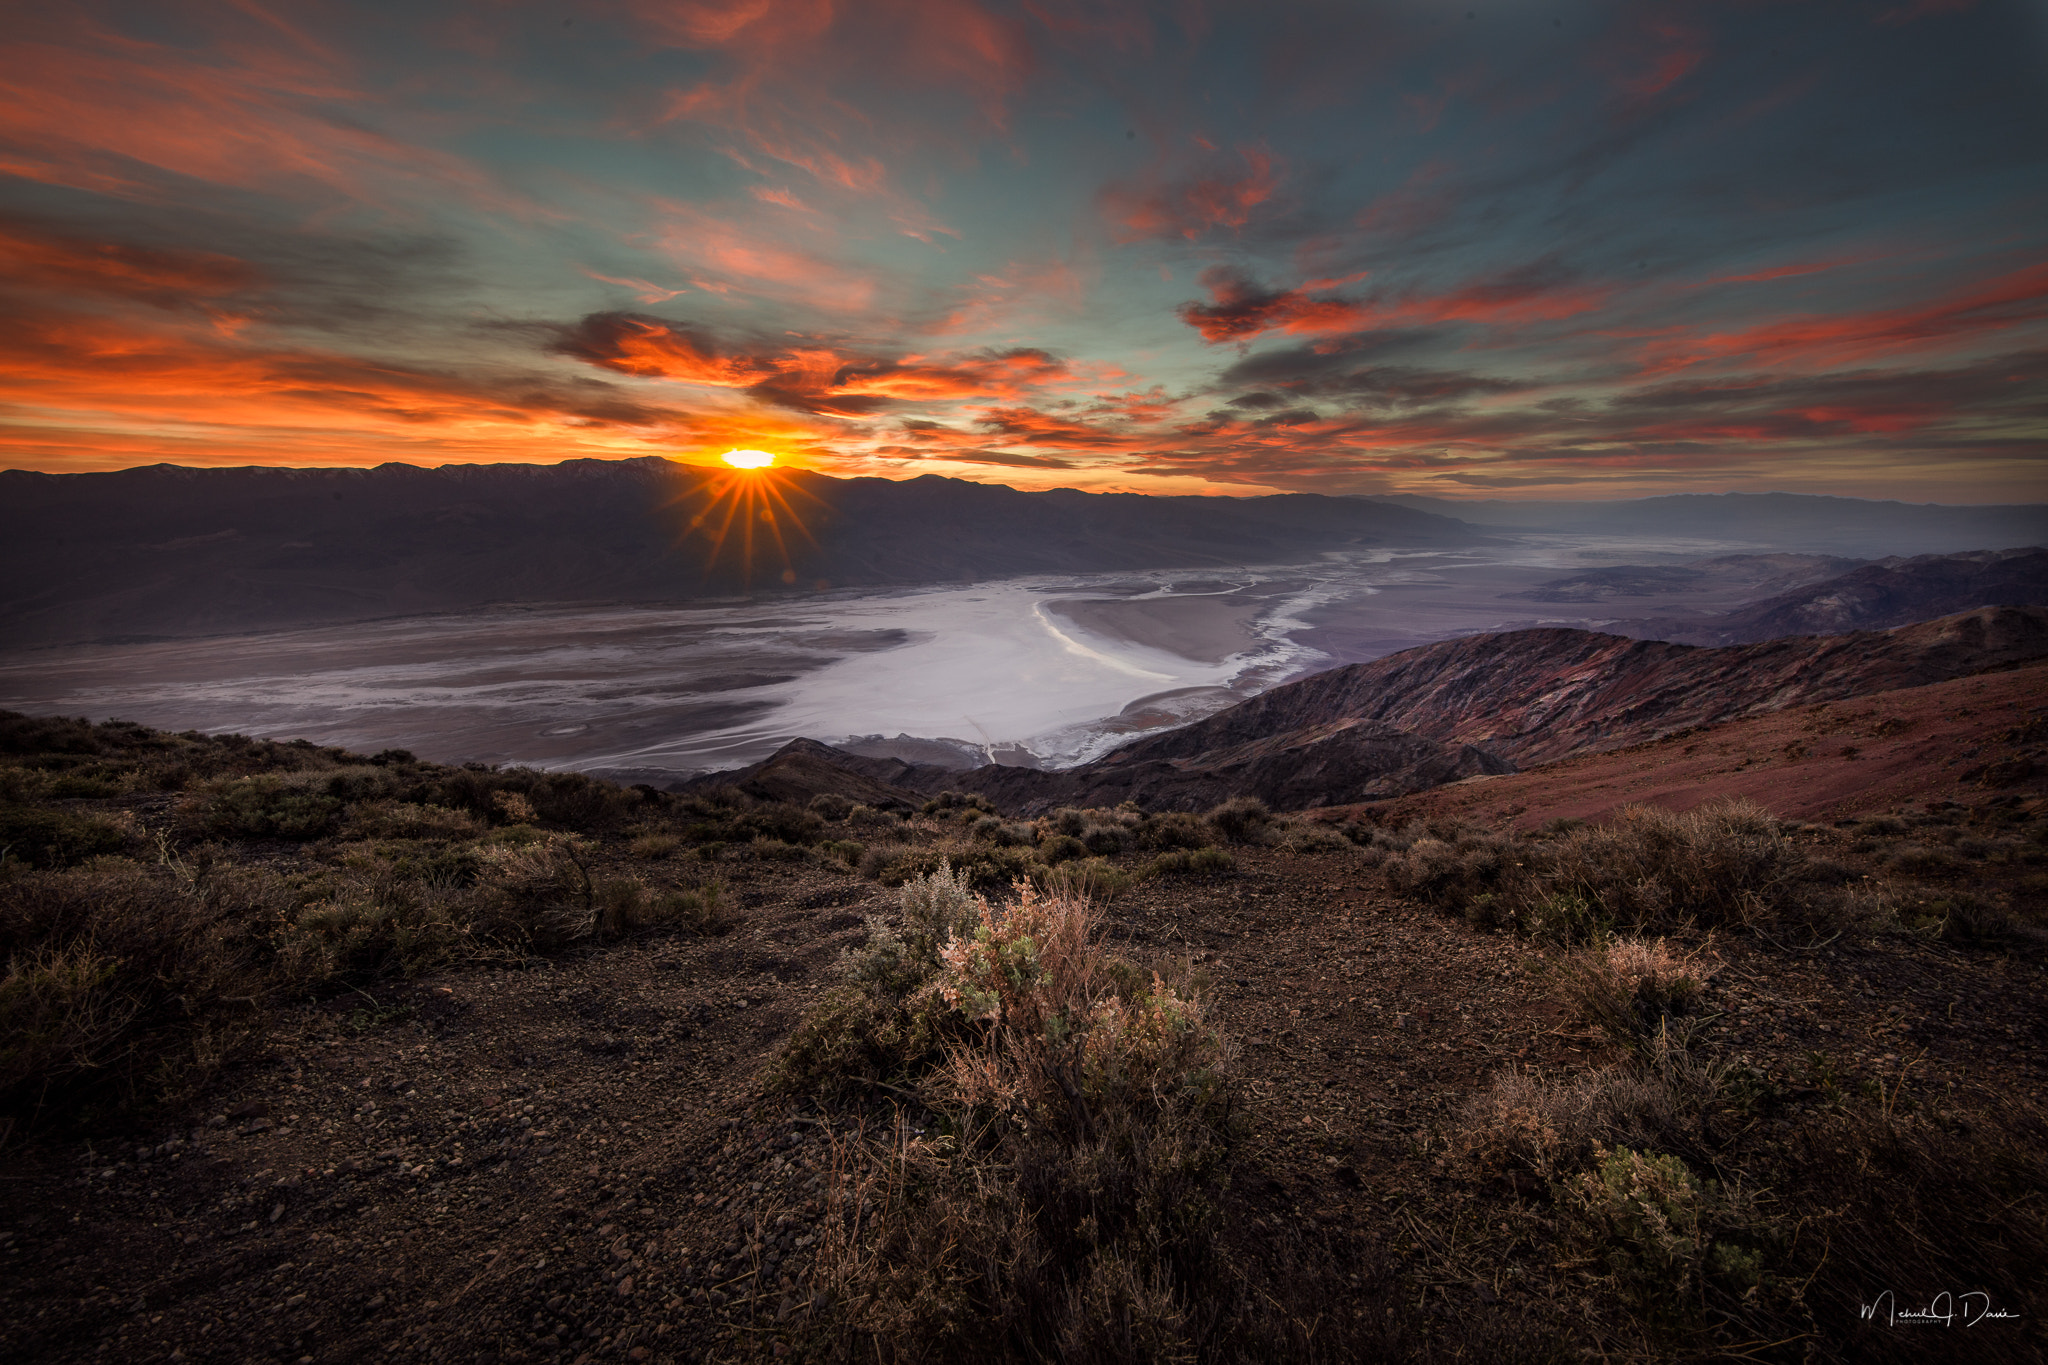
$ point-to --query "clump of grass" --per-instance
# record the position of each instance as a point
(700, 909)
(40, 837)
(1637, 991)
(1171, 830)
(409, 820)
(654, 846)
(1095, 879)
(127, 983)
(844, 851)
(1202, 862)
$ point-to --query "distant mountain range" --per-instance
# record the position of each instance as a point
(168, 551)
(1890, 592)
(1856, 527)
(1461, 708)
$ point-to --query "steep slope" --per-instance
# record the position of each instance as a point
(1891, 592)
(1961, 740)
(1535, 695)
(169, 551)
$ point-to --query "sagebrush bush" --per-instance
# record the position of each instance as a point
(1722, 865)
(1242, 819)
(1173, 830)
(1072, 1211)
(1550, 1127)
(1636, 990)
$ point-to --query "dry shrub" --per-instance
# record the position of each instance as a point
(1180, 862)
(1177, 829)
(408, 820)
(1065, 1038)
(883, 1024)
(1669, 1244)
(1310, 836)
(1721, 864)
(1455, 867)
(1551, 1127)
(1727, 864)
(1067, 1198)
(654, 846)
(1242, 820)
(514, 807)
(1636, 990)
(535, 896)
(122, 980)
(1093, 879)
(700, 909)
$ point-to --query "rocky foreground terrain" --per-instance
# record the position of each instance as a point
(316, 1057)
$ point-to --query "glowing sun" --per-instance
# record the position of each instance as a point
(748, 459)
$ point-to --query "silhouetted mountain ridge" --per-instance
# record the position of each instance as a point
(168, 551)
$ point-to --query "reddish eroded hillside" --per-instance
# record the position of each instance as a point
(1536, 695)
(1950, 741)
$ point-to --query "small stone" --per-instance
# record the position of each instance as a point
(374, 1304)
(276, 1212)
(295, 1300)
(626, 1287)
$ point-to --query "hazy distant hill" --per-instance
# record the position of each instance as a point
(1752, 573)
(1782, 521)
(172, 551)
(1891, 592)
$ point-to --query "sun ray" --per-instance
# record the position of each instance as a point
(748, 504)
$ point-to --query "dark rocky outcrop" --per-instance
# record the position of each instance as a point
(1346, 761)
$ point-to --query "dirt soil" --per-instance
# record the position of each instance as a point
(578, 1161)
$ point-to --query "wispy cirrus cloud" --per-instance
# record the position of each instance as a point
(1604, 247)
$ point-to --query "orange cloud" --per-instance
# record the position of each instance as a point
(1239, 309)
(1812, 342)
(1190, 207)
(114, 113)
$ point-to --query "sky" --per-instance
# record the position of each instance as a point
(1473, 249)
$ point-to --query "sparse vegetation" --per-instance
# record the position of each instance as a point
(1669, 1106)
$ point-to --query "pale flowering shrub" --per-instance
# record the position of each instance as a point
(1067, 1031)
